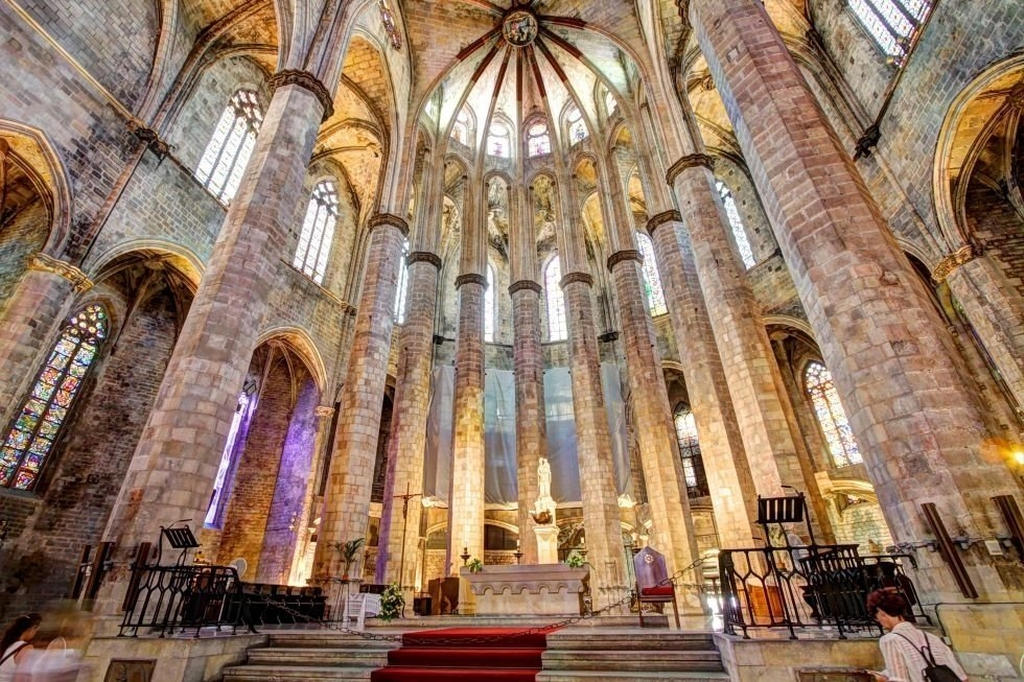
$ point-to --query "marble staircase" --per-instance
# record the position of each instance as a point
(574, 654)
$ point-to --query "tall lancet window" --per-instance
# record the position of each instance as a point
(223, 163)
(891, 22)
(739, 232)
(242, 409)
(558, 330)
(317, 231)
(489, 306)
(403, 285)
(30, 440)
(460, 131)
(611, 105)
(689, 451)
(831, 415)
(538, 140)
(652, 281)
(499, 141)
(577, 128)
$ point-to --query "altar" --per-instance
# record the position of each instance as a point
(536, 590)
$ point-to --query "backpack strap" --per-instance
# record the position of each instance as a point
(925, 651)
(13, 653)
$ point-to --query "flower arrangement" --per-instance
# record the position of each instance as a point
(574, 560)
(475, 565)
(391, 603)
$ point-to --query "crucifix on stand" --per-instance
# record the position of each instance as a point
(405, 520)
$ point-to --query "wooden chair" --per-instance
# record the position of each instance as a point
(651, 572)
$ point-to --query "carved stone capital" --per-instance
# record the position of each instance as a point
(945, 267)
(578, 276)
(152, 140)
(423, 257)
(389, 219)
(324, 411)
(470, 278)
(307, 81)
(43, 263)
(623, 256)
(524, 285)
(662, 218)
(689, 161)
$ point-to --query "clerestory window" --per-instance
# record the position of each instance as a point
(317, 231)
(577, 128)
(538, 140)
(558, 330)
(891, 22)
(223, 163)
(403, 285)
(689, 451)
(739, 232)
(652, 280)
(499, 141)
(489, 306)
(831, 416)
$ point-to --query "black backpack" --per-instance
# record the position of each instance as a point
(933, 672)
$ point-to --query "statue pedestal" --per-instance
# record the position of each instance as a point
(547, 544)
(540, 590)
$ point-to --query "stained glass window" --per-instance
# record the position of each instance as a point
(489, 306)
(689, 451)
(387, 18)
(403, 285)
(557, 327)
(538, 141)
(223, 163)
(460, 131)
(652, 281)
(891, 22)
(739, 232)
(242, 409)
(30, 439)
(831, 416)
(317, 231)
(499, 141)
(611, 105)
(577, 128)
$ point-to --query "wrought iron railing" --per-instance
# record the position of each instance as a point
(166, 599)
(813, 586)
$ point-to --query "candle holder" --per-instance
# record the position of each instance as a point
(464, 556)
(518, 555)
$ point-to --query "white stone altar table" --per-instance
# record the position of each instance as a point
(538, 590)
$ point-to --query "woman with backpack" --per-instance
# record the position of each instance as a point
(15, 644)
(910, 654)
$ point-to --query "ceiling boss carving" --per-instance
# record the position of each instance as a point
(519, 28)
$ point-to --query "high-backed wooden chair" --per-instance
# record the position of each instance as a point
(652, 586)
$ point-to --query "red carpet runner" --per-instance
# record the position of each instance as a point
(465, 655)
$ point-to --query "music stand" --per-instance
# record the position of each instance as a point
(783, 510)
(179, 537)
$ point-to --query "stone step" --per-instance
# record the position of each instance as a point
(627, 660)
(283, 673)
(618, 676)
(348, 657)
(327, 640)
(647, 641)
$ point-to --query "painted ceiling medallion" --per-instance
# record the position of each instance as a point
(520, 28)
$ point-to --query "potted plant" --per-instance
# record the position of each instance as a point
(391, 603)
(349, 551)
(475, 566)
(575, 560)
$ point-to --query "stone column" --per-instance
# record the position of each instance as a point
(739, 331)
(994, 311)
(531, 423)
(916, 423)
(601, 518)
(409, 426)
(310, 508)
(172, 472)
(659, 449)
(466, 503)
(28, 322)
(731, 486)
(347, 498)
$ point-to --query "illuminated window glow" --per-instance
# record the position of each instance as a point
(739, 232)
(499, 141)
(831, 416)
(30, 440)
(403, 285)
(538, 141)
(245, 404)
(557, 328)
(577, 128)
(317, 232)
(460, 131)
(652, 281)
(223, 163)
(489, 306)
(891, 22)
(689, 451)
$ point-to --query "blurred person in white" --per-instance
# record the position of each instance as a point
(15, 647)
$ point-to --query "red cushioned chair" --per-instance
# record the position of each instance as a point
(651, 588)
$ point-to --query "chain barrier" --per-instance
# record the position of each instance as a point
(626, 599)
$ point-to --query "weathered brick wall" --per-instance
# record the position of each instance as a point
(113, 39)
(94, 451)
(991, 217)
(24, 226)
